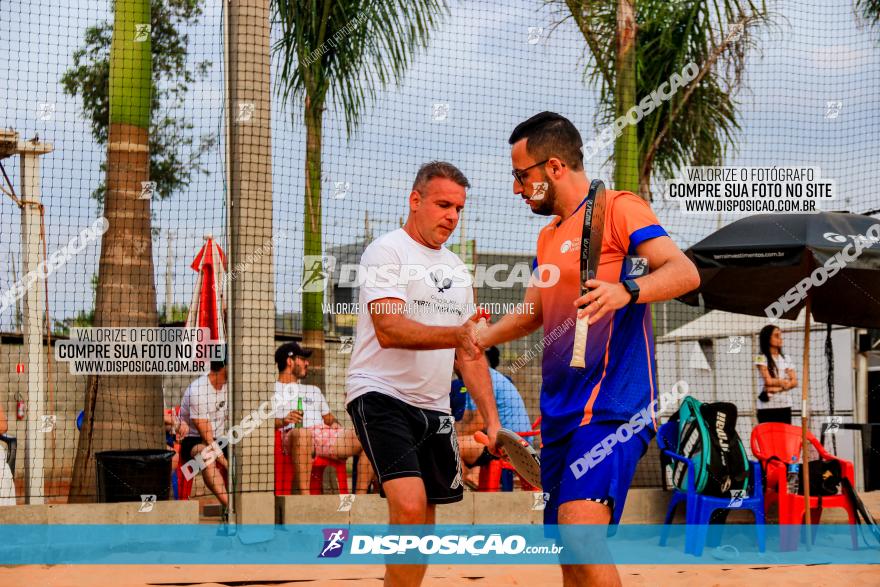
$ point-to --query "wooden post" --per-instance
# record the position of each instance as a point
(251, 315)
(35, 457)
(805, 422)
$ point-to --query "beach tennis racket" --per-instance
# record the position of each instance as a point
(519, 453)
(869, 520)
(591, 249)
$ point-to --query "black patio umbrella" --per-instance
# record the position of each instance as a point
(774, 265)
(749, 264)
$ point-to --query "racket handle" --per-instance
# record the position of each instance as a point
(579, 349)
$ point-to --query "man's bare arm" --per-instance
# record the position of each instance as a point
(672, 274)
(206, 431)
(396, 331)
(516, 324)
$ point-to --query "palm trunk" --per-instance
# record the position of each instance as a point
(626, 146)
(124, 412)
(312, 301)
(645, 184)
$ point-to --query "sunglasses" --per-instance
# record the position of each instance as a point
(520, 174)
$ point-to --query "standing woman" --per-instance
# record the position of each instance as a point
(778, 378)
(7, 487)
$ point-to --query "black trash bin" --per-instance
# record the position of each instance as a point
(126, 475)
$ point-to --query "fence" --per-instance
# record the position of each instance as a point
(160, 152)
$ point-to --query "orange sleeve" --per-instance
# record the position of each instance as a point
(632, 222)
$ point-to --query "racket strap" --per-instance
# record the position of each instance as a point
(484, 459)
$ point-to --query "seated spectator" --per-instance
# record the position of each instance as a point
(511, 411)
(175, 430)
(203, 411)
(458, 398)
(7, 485)
(315, 429)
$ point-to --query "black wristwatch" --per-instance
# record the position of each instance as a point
(632, 288)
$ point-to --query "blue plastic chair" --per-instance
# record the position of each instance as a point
(699, 508)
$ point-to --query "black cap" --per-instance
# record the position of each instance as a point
(290, 349)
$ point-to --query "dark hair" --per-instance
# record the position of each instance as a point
(494, 356)
(551, 135)
(218, 365)
(435, 169)
(764, 343)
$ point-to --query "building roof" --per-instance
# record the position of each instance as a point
(720, 324)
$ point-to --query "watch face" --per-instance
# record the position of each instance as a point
(633, 288)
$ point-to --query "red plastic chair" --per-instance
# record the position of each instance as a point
(490, 475)
(284, 469)
(316, 481)
(774, 444)
(184, 485)
(285, 472)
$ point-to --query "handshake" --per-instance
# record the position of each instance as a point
(470, 340)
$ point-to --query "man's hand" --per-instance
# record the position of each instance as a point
(293, 417)
(481, 322)
(604, 297)
(182, 429)
(467, 340)
(492, 433)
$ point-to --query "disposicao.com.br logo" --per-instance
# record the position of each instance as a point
(475, 545)
(334, 541)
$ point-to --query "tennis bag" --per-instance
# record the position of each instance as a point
(707, 435)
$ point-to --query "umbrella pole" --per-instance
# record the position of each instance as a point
(805, 420)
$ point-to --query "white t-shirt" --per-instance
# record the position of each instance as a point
(439, 293)
(203, 401)
(314, 404)
(781, 399)
(7, 485)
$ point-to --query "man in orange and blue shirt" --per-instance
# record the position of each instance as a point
(586, 478)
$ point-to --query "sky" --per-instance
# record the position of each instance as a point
(485, 74)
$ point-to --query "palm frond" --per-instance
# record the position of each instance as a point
(869, 10)
(349, 49)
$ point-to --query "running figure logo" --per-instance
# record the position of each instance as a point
(446, 424)
(316, 272)
(334, 540)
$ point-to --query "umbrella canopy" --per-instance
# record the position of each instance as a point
(206, 309)
(775, 265)
(752, 263)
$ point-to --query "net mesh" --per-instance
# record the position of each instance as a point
(804, 99)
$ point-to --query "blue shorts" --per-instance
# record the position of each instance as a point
(605, 479)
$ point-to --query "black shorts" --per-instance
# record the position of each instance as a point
(774, 415)
(405, 441)
(188, 443)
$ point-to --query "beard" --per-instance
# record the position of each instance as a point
(545, 206)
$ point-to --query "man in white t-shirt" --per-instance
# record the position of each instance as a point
(203, 410)
(415, 315)
(320, 432)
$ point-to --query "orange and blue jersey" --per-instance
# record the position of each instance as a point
(619, 379)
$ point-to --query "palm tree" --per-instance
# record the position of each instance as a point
(124, 412)
(655, 39)
(869, 10)
(343, 50)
